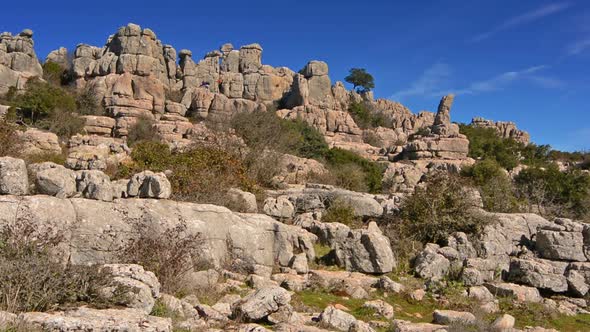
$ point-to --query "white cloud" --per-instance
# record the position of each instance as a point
(434, 82)
(433, 79)
(578, 47)
(527, 17)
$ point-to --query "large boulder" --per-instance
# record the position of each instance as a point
(430, 264)
(563, 240)
(94, 184)
(262, 303)
(13, 176)
(361, 250)
(148, 184)
(97, 230)
(540, 273)
(56, 180)
(131, 286)
(337, 319)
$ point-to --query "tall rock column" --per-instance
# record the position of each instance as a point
(18, 61)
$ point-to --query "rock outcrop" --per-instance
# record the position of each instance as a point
(18, 61)
(504, 129)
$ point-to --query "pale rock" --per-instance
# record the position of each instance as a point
(503, 323)
(406, 326)
(336, 319)
(13, 176)
(243, 200)
(148, 184)
(262, 303)
(449, 317)
(539, 273)
(56, 181)
(133, 286)
(87, 319)
(279, 207)
(381, 308)
(94, 184)
(299, 263)
(518, 292)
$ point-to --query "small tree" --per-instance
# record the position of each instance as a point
(360, 79)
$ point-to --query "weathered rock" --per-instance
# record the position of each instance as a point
(336, 319)
(262, 303)
(429, 264)
(406, 326)
(362, 250)
(56, 181)
(87, 319)
(505, 129)
(388, 285)
(296, 170)
(18, 61)
(103, 228)
(149, 185)
(94, 185)
(279, 207)
(132, 286)
(7, 320)
(35, 141)
(381, 308)
(562, 241)
(539, 273)
(503, 323)
(243, 201)
(13, 176)
(518, 292)
(299, 264)
(448, 317)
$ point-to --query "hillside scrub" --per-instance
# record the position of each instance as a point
(495, 186)
(31, 277)
(354, 172)
(443, 206)
(555, 193)
(365, 116)
(200, 174)
(9, 141)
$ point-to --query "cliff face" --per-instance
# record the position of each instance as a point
(18, 61)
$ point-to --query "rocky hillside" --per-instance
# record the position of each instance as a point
(142, 190)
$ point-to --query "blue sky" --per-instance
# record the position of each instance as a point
(526, 61)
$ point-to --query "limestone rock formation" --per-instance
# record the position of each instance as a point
(18, 61)
(13, 177)
(505, 129)
(102, 228)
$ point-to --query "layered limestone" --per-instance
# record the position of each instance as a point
(505, 129)
(18, 61)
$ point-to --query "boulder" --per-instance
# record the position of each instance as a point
(540, 273)
(131, 286)
(562, 241)
(243, 200)
(262, 303)
(360, 250)
(35, 141)
(56, 181)
(430, 264)
(279, 207)
(518, 292)
(381, 308)
(406, 326)
(94, 184)
(503, 323)
(336, 319)
(148, 184)
(449, 317)
(13, 176)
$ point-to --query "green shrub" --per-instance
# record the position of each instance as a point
(337, 159)
(32, 278)
(170, 253)
(444, 206)
(265, 130)
(151, 155)
(54, 73)
(9, 142)
(556, 193)
(495, 186)
(364, 116)
(63, 123)
(142, 130)
(341, 212)
(87, 102)
(40, 100)
(485, 143)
